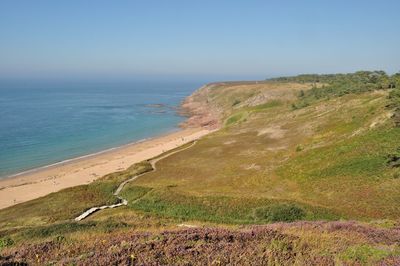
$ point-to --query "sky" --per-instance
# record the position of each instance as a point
(216, 40)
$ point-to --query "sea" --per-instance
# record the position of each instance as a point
(44, 124)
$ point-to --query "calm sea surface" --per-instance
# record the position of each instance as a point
(44, 125)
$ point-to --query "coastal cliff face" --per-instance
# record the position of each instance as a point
(212, 104)
(200, 110)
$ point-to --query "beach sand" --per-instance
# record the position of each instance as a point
(83, 170)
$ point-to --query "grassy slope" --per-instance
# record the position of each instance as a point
(58, 209)
(329, 158)
(269, 162)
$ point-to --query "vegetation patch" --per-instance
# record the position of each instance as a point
(356, 166)
(63, 205)
(394, 98)
(366, 254)
(6, 242)
(352, 176)
(364, 155)
(280, 213)
(110, 225)
(226, 210)
(393, 159)
(69, 203)
(233, 119)
(132, 192)
(337, 85)
(269, 104)
(58, 231)
(236, 102)
(300, 104)
(298, 243)
(55, 229)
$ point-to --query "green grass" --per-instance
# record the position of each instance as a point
(352, 175)
(341, 167)
(53, 230)
(364, 155)
(280, 212)
(241, 116)
(233, 119)
(58, 206)
(132, 193)
(269, 104)
(228, 210)
(6, 242)
(61, 230)
(367, 254)
(68, 203)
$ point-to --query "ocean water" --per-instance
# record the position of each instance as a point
(42, 125)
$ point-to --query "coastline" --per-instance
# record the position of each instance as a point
(82, 170)
(63, 162)
(201, 119)
(85, 156)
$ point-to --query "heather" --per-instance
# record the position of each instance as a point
(302, 243)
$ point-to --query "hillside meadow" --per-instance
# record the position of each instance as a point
(303, 170)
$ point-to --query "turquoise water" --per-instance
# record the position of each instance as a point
(44, 125)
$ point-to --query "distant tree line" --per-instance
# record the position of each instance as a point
(341, 84)
(337, 85)
(394, 97)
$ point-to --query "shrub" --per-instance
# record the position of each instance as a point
(396, 117)
(394, 98)
(393, 160)
(300, 104)
(6, 242)
(280, 213)
(59, 239)
(236, 102)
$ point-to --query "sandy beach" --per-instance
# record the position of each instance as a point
(83, 170)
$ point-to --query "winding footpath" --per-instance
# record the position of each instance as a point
(121, 186)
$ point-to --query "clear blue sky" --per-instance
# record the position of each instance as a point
(214, 39)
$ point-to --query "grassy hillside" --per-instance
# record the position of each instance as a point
(306, 148)
(328, 158)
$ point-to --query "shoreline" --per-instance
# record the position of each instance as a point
(80, 157)
(39, 182)
(40, 168)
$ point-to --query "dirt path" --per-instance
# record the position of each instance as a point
(123, 202)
